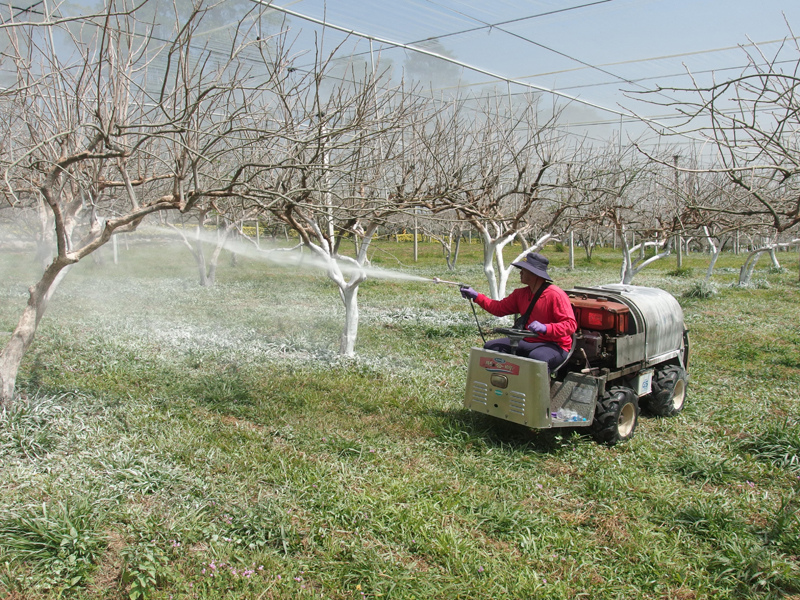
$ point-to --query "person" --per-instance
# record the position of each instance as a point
(551, 317)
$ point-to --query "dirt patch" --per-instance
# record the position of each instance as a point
(683, 594)
(109, 570)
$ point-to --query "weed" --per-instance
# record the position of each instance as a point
(261, 525)
(221, 389)
(145, 568)
(701, 289)
(58, 543)
(749, 566)
(775, 442)
(754, 284)
(761, 284)
(708, 520)
(784, 530)
(683, 272)
(28, 427)
(132, 472)
(705, 468)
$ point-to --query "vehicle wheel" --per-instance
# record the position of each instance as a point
(616, 416)
(669, 391)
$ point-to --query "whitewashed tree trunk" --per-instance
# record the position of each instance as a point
(222, 238)
(571, 250)
(200, 258)
(348, 290)
(347, 341)
(774, 256)
(503, 271)
(631, 268)
(749, 266)
(506, 273)
(207, 269)
(714, 250)
(488, 264)
(493, 253)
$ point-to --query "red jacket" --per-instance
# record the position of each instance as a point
(553, 309)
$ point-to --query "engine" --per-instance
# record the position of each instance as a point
(600, 323)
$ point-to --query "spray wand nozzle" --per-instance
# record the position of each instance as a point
(437, 280)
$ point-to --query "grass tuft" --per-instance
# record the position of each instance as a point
(775, 442)
(701, 289)
(29, 427)
(57, 544)
(705, 468)
(683, 272)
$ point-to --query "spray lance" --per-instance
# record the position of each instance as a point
(459, 285)
(471, 303)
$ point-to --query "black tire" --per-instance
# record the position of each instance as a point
(668, 391)
(615, 416)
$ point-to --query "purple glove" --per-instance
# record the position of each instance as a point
(537, 327)
(468, 293)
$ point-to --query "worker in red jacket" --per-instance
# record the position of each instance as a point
(549, 313)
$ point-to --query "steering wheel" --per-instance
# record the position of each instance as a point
(514, 335)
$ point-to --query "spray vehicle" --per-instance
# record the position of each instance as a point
(631, 349)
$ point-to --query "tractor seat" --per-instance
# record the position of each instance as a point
(566, 360)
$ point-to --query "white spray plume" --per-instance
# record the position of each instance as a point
(288, 256)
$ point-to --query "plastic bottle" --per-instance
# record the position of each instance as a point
(566, 414)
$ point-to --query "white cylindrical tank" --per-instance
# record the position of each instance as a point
(656, 313)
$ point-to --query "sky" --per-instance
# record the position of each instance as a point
(592, 58)
(600, 52)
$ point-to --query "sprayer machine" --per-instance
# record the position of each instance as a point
(631, 349)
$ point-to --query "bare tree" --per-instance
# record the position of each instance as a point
(618, 188)
(496, 167)
(753, 121)
(344, 167)
(447, 230)
(223, 218)
(105, 130)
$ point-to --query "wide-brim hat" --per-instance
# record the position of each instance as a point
(536, 264)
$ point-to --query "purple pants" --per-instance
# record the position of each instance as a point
(547, 352)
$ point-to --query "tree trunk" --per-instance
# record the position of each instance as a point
(626, 269)
(222, 238)
(200, 258)
(749, 266)
(347, 342)
(774, 258)
(488, 267)
(21, 339)
(504, 272)
(455, 252)
(711, 264)
(630, 268)
(571, 250)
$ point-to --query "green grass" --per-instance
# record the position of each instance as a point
(209, 443)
